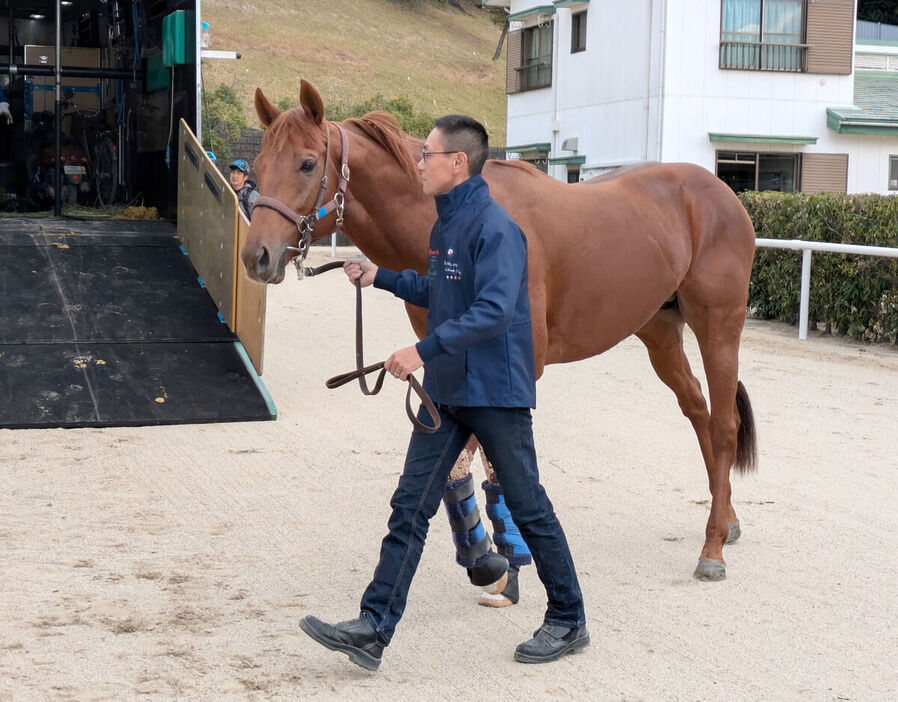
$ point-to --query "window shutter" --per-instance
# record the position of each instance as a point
(513, 56)
(830, 36)
(824, 173)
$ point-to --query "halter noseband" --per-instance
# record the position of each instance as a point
(306, 223)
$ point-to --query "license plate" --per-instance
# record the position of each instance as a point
(74, 170)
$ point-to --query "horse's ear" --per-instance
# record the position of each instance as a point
(264, 109)
(311, 101)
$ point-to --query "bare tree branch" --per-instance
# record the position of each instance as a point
(501, 41)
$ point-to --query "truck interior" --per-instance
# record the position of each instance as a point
(127, 73)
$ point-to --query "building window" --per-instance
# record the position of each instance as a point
(763, 35)
(536, 66)
(578, 32)
(573, 174)
(893, 172)
(754, 171)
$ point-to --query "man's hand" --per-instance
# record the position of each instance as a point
(363, 271)
(403, 362)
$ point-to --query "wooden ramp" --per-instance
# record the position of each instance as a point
(110, 323)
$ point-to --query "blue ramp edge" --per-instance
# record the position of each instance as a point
(263, 391)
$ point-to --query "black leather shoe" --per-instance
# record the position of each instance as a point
(356, 638)
(551, 642)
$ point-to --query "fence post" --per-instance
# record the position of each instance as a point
(805, 294)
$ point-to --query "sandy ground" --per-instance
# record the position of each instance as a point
(166, 562)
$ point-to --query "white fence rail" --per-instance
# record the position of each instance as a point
(806, 247)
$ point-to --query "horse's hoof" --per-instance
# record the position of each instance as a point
(735, 532)
(710, 570)
(504, 597)
(497, 600)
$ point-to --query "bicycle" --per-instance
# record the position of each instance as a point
(102, 154)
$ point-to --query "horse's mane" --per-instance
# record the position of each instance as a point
(381, 127)
(277, 136)
(525, 166)
(384, 130)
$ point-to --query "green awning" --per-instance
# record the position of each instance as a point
(875, 109)
(565, 3)
(542, 146)
(541, 10)
(568, 161)
(760, 138)
(846, 121)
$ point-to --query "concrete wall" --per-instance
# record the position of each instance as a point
(608, 96)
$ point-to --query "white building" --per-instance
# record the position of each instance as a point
(768, 94)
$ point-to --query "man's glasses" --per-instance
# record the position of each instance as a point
(425, 153)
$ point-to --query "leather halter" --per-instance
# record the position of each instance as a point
(306, 223)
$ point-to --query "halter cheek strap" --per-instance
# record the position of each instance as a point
(305, 224)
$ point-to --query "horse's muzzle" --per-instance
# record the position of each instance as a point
(264, 265)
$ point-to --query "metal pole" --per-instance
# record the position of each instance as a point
(198, 74)
(57, 207)
(805, 294)
(12, 30)
(71, 71)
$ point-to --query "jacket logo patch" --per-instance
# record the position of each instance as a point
(449, 252)
(452, 270)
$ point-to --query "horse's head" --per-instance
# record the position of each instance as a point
(289, 168)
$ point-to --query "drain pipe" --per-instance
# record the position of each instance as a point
(662, 67)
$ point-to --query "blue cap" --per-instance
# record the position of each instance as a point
(240, 165)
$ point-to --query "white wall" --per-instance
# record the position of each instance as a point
(608, 96)
(599, 95)
(530, 112)
(868, 162)
(607, 109)
(700, 98)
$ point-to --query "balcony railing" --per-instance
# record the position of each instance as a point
(535, 75)
(763, 56)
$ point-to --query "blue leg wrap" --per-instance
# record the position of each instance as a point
(472, 544)
(506, 534)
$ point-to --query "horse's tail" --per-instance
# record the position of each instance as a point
(746, 440)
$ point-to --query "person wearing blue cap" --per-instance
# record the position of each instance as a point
(247, 192)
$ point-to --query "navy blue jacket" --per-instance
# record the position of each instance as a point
(478, 351)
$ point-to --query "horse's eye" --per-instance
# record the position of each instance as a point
(307, 166)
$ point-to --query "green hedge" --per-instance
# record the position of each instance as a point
(852, 295)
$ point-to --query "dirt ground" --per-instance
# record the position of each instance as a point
(175, 562)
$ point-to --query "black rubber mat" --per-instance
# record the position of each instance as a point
(107, 324)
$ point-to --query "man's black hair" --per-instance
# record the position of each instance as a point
(466, 134)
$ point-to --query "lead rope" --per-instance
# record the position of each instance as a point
(362, 370)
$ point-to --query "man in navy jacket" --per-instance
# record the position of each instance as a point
(479, 371)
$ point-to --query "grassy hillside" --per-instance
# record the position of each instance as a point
(351, 50)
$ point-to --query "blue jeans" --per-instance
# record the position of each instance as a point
(506, 435)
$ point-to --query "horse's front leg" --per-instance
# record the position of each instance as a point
(473, 547)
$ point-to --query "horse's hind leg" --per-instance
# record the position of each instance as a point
(663, 338)
(718, 330)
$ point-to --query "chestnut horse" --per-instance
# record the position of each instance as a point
(642, 251)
